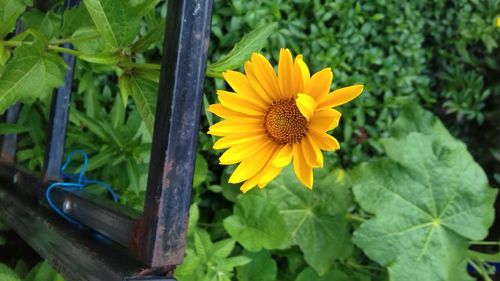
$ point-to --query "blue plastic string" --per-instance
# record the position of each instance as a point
(80, 183)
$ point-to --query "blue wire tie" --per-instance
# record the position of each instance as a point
(80, 182)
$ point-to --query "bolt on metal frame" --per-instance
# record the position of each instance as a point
(112, 242)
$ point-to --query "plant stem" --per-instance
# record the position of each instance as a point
(64, 50)
(12, 43)
(355, 217)
(497, 243)
(74, 39)
(151, 66)
(483, 256)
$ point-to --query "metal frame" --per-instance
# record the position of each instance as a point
(114, 243)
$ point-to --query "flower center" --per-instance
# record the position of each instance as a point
(284, 122)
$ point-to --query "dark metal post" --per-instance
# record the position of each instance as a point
(175, 133)
(59, 113)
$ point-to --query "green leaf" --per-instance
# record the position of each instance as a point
(143, 93)
(43, 271)
(10, 10)
(256, 224)
(251, 42)
(194, 216)
(429, 198)
(117, 113)
(31, 74)
(309, 274)
(7, 274)
(315, 220)
(74, 19)
(8, 128)
(153, 36)
(261, 268)
(200, 170)
(47, 23)
(116, 21)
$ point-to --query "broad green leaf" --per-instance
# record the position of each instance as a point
(194, 216)
(31, 74)
(43, 271)
(86, 39)
(8, 128)
(143, 93)
(315, 220)
(116, 21)
(101, 58)
(47, 23)
(153, 36)
(261, 268)
(142, 7)
(200, 170)
(256, 224)
(10, 10)
(7, 274)
(251, 42)
(309, 274)
(117, 113)
(429, 198)
(74, 19)
(4, 55)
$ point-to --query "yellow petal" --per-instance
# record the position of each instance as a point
(233, 140)
(323, 140)
(284, 156)
(285, 73)
(256, 86)
(226, 113)
(249, 184)
(269, 175)
(230, 127)
(302, 170)
(239, 152)
(240, 84)
(306, 105)
(312, 154)
(325, 120)
(265, 74)
(340, 96)
(320, 83)
(252, 165)
(302, 75)
(236, 103)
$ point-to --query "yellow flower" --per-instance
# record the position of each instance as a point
(272, 119)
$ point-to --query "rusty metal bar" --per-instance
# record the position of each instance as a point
(175, 133)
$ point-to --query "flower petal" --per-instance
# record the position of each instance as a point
(325, 120)
(302, 170)
(306, 105)
(284, 156)
(285, 73)
(301, 74)
(254, 82)
(320, 83)
(230, 127)
(324, 141)
(240, 84)
(269, 175)
(252, 165)
(265, 74)
(312, 154)
(243, 151)
(236, 103)
(340, 96)
(226, 113)
(233, 140)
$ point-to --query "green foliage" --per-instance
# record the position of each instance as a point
(429, 198)
(419, 197)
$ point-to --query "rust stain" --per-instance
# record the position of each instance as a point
(139, 231)
(166, 170)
